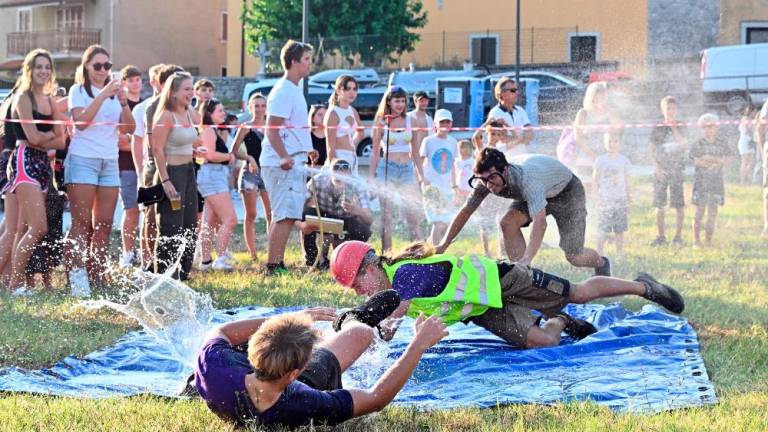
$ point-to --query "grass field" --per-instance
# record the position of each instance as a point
(725, 289)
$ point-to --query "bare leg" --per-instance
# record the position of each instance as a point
(709, 227)
(546, 336)
(587, 258)
(128, 229)
(698, 216)
(8, 237)
(412, 218)
(224, 211)
(278, 237)
(679, 222)
(249, 222)
(32, 215)
(484, 239)
(149, 237)
(386, 224)
(103, 214)
(765, 216)
(514, 242)
(206, 232)
(747, 164)
(598, 287)
(79, 236)
(348, 344)
(660, 223)
(619, 243)
(438, 230)
(267, 208)
(601, 239)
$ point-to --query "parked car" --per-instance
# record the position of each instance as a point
(734, 76)
(365, 77)
(559, 96)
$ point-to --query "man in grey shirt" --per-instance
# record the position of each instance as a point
(538, 185)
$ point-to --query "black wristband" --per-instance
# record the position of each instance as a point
(166, 180)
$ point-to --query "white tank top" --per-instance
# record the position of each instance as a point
(399, 139)
(345, 128)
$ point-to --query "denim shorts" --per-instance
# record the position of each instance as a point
(91, 171)
(397, 173)
(129, 189)
(212, 179)
(250, 182)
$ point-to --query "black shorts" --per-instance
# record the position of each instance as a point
(323, 372)
(569, 208)
(672, 180)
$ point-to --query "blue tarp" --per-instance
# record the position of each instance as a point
(639, 362)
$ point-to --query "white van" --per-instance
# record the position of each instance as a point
(733, 76)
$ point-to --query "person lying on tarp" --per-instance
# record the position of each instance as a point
(496, 295)
(276, 372)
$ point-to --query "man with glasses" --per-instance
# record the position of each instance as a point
(515, 116)
(538, 186)
(336, 195)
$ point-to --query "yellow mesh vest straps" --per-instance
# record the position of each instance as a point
(472, 288)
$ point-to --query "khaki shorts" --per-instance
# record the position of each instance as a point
(522, 290)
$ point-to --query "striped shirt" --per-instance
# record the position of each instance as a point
(531, 178)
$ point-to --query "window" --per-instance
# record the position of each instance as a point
(69, 18)
(484, 49)
(224, 71)
(754, 32)
(583, 47)
(24, 20)
(224, 18)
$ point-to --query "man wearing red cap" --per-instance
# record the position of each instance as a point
(496, 295)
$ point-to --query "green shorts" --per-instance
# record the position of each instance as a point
(523, 289)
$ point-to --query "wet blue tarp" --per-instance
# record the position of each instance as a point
(640, 362)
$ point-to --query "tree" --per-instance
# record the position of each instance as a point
(372, 30)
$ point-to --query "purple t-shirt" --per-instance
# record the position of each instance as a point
(220, 379)
(421, 280)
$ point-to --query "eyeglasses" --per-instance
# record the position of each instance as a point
(509, 90)
(495, 179)
(342, 166)
(98, 66)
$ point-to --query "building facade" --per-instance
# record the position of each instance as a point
(191, 33)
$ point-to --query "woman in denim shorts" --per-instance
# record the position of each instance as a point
(91, 171)
(250, 183)
(213, 185)
(400, 173)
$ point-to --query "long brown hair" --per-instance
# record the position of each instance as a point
(391, 93)
(81, 75)
(206, 109)
(166, 96)
(341, 84)
(25, 81)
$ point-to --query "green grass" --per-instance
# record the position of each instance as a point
(724, 286)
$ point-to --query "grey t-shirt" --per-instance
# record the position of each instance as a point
(530, 178)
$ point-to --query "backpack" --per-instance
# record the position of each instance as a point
(567, 147)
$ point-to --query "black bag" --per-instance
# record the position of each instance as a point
(151, 195)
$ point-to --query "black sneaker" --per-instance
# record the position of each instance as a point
(576, 328)
(378, 307)
(605, 269)
(659, 241)
(275, 270)
(678, 241)
(659, 293)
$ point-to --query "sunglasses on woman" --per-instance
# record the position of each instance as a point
(106, 66)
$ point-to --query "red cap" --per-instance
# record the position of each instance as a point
(346, 260)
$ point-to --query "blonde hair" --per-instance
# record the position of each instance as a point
(500, 84)
(25, 81)
(281, 345)
(166, 96)
(466, 144)
(593, 90)
(708, 118)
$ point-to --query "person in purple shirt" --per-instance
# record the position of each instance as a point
(276, 372)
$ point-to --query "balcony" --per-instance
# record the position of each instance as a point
(62, 43)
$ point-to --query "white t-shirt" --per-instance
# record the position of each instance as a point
(464, 171)
(612, 185)
(438, 154)
(138, 117)
(286, 100)
(97, 141)
(517, 118)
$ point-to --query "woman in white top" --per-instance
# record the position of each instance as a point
(595, 113)
(342, 123)
(90, 168)
(403, 171)
(746, 144)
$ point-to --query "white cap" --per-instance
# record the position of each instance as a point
(443, 114)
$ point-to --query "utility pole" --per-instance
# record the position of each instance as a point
(517, 43)
(305, 39)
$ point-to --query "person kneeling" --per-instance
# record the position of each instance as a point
(285, 376)
(496, 295)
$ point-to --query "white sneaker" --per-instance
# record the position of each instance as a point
(78, 282)
(204, 267)
(127, 260)
(228, 256)
(22, 291)
(221, 264)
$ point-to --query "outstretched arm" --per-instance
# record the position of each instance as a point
(239, 332)
(538, 228)
(454, 228)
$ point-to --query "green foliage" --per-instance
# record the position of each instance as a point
(372, 30)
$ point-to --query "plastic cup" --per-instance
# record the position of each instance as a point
(176, 203)
(201, 151)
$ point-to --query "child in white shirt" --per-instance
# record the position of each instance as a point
(611, 179)
(438, 153)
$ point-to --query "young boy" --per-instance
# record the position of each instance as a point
(611, 180)
(437, 151)
(463, 171)
(709, 154)
(204, 91)
(668, 146)
(288, 378)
